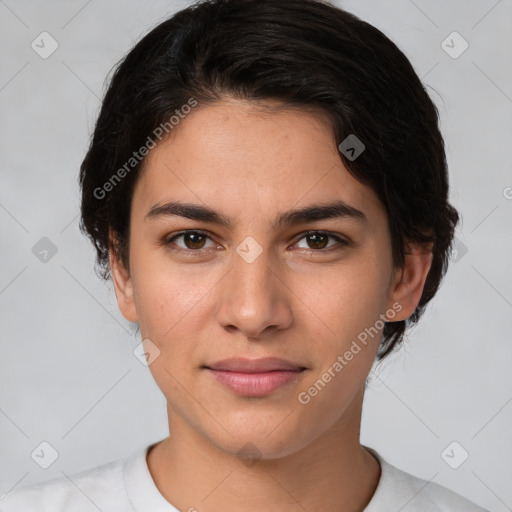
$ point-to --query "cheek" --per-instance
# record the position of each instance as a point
(345, 330)
(170, 305)
(173, 303)
(348, 297)
(348, 300)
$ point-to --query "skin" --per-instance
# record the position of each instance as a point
(298, 300)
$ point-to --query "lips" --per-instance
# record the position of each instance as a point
(267, 364)
(255, 377)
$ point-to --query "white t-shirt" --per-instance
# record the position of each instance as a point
(126, 485)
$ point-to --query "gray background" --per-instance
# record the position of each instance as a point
(67, 372)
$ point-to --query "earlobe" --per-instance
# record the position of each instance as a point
(123, 286)
(409, 280)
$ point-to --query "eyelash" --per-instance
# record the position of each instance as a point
(168, 242)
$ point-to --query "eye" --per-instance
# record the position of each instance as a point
(318, 240)
(191, 240)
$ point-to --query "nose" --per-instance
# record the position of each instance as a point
(254, 300)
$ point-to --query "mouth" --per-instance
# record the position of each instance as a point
(255, 377)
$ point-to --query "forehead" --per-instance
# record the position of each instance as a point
(243, 158)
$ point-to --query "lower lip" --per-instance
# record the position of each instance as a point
(254, 384)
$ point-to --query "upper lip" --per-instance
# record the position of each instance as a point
(266, 364)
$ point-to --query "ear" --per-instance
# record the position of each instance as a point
(123, 285)
(409, 280)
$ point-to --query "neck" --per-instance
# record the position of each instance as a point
(333, 472)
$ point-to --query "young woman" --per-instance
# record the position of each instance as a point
(267, 188)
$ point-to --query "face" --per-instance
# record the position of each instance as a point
(250, 242)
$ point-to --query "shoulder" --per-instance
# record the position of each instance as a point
(99, 488)
(403, 491)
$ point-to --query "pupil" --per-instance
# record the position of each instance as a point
(194, 240)
(319, 241)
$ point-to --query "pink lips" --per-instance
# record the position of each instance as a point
(254, 377)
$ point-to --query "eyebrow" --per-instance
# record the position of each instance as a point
(315, 212)
(189, 211)
(335, 210)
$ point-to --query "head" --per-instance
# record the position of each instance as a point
(299, 152)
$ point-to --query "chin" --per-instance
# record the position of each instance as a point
(253, 440)
(252, 449)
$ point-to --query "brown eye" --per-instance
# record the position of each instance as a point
(192, 240)
(317, 240)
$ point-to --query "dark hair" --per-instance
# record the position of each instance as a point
(302, 53)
